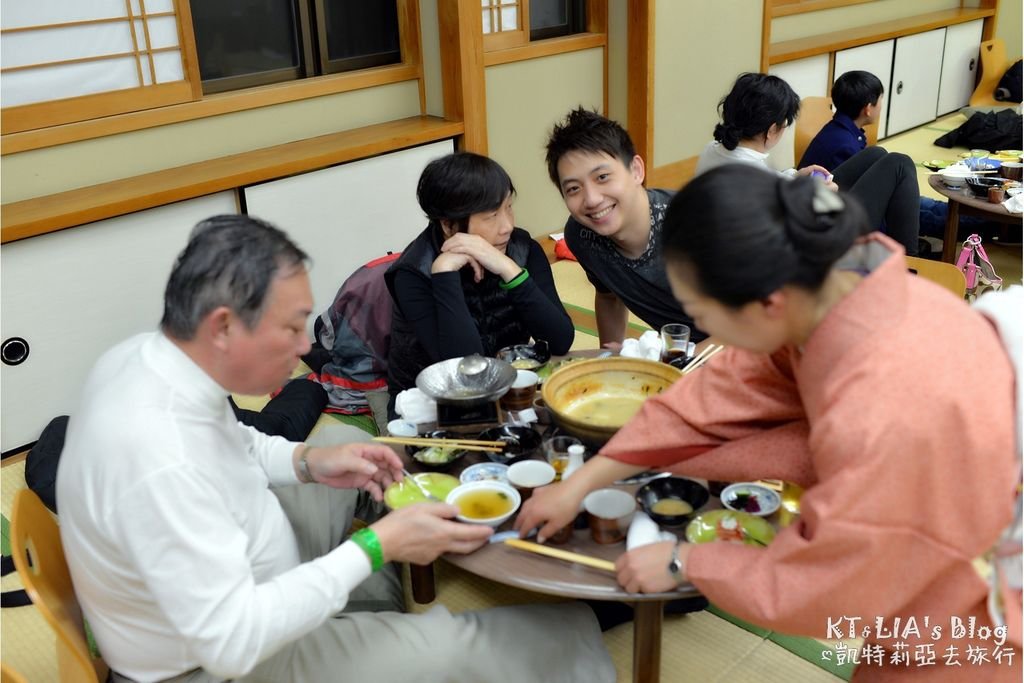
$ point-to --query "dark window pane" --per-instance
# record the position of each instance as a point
(553, 18)
(547, 13)
(361, 33)
(245, 38)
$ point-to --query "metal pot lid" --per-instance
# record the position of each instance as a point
(443, 382)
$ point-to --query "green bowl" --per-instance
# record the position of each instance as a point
(402, 493)
(729, 525)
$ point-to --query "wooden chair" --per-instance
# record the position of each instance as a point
(35, 535)
(993, 65)
(9, 675)
(815, 112)
(945, 274)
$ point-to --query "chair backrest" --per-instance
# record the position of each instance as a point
(9, 675)
(993, 65)
(815, 112)
(939, 272)
(39, 559)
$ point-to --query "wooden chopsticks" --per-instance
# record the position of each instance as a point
(461, 444)
(589, 561)
(703, 357)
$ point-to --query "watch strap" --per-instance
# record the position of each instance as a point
(675, 566)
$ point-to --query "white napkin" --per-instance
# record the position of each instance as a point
(1015, 204)
(521, 417)
(415, 406)
(647, 346)
(644, 531)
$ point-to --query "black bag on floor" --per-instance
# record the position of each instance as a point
(1010, 88)
(41, 462)
(291, 414)
(987, 130)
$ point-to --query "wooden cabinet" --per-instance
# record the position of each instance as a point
(808, 78)
(73, 294)
(959, 66)
(916, 72)
(875, 58)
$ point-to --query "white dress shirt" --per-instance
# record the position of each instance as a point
(180, 554)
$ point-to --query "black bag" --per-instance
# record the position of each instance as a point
(1009, 88)
(292, 413)
(987, 130)
(41, 462)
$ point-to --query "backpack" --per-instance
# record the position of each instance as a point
(356, 330)
(1009, 88)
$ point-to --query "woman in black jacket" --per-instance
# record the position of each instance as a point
(471, 282)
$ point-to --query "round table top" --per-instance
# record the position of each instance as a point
(542, 574)
(964, 196)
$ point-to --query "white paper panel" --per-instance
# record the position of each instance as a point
(136, 8)
(75, 293)
(347, 215)
(163, 31)
(147, 76)
(70, 42)
(22, 13)
(487, 21)
(156, 6)
(168, 67)
(509, 18)
(140, 35)
(71, 80)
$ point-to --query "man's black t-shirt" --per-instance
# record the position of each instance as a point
(640, 283)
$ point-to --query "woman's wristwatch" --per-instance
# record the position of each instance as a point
(675, 565)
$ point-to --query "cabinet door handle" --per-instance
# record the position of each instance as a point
(14, 351)
(970, 67)
(899, 87)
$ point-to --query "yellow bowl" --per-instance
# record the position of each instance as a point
(592, 399)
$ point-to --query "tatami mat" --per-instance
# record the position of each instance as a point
(695, 647)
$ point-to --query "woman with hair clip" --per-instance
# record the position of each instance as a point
(834, 379)
(471, 282)
(756, 113)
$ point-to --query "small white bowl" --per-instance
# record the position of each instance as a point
(955, 177)
(768, 501)
(504, 489)
(485, 471)
(402, 428)
(530, 474)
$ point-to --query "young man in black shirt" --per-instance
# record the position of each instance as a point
(614, 227)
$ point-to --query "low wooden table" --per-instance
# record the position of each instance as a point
(541, 574)
(962, 202)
